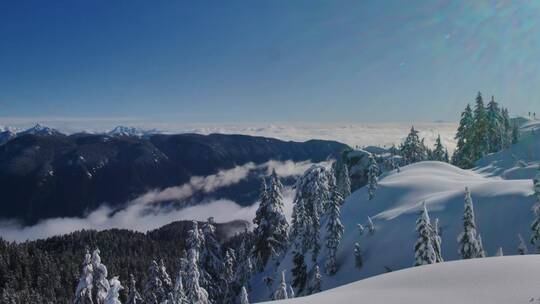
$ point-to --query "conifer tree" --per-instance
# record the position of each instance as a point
(334, 230)
(463, 155)
(281, 291)
(522, 246)
(499, 252)
(439, 153)
(299, 272)
(290, 291)
(437, 242)
(373, 176)
(424, 251)
(179, 294)
(154, 293)
(134, 297)
(244, 268)
(358, 258)
(311, 201)
(195, 294)
(343, 179)
(164, 277)
(535, 226)
(468, 245)
(515, 133)
(100, 273)
(413, 150)
(244, 296)
(83, 293)
(211, 261)
(113, 293)
(495, 126)
(507, 138)
(271, 233)
(480, 139)
(370, 226)
(481, 251)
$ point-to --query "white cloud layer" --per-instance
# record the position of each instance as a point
(141, 214)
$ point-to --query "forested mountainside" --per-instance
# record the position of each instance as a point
(46, 271)
(49, 174)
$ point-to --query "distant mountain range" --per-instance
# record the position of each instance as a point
(46, 174)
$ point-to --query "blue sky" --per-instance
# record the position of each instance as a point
(264, 61)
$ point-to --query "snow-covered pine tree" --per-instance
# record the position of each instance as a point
(230, 265)
(343, 180)
(312, 196)
(495, 126)
(83, 293)
(522, 246)
(507, 138)
(499, 252)
(481, 251)
(271, 233)
(134, 297)
(424, 252)
(244, 268)
(195, 294)
(154, 293)
(373, 176)
(358, 258)
(113, 293)
(468, 246)
(299, 272)
(515, 133)
(101, 283)
(535, 226)
(281, 291)
(316, 281)
(195, 239)
(462, 156)
(437, 242)
(413, 149)
(480, 139)
(439, 153)
(334, 229)
(211, 261)
(244, 296)
(165, 278)
(370, 226)
(179, 294)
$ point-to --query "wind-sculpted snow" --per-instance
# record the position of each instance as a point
(499, 280)
(502, 209)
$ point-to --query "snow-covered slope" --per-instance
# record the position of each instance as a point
(502, 210)
(499, 280)
(131, 131)
(520, 161)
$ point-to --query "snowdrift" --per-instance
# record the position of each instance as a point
(499, 280)
(502, 208)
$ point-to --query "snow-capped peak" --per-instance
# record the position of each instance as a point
(39, 129)
(131, 131)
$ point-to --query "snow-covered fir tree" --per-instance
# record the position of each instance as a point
(134, 297)
(211, 261)
(515, 133)
(271, 232)
(439, 153)
(154, 293)
(522, 246)
(468, 245)
(101, 283)
(373, 176)
(499, 252)
(311, 200)
(507, 139)
(244, 296)
(290, 291)
(229, 268)
(244, 269)
(535, 226)
(195, 239)
(480, 139)
(113, 293)
(195, 294)
(315, 285)
(165, 278)
(495, 126)
(299, 272)
(334, 229)
(413, 149)
(481, 252)
(358, 256)
(462, 156)
(361, 229)
(343, 180)
(179, 294)
(281, 291)
(424, 252)
(437, 242)
(83, 293)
